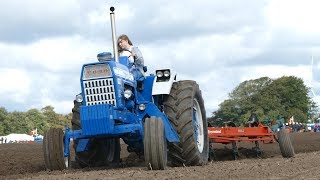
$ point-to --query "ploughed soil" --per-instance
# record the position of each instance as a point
(25, 161)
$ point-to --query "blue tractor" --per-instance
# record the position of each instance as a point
(156, 116)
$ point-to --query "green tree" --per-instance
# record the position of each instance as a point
(285, 96)
(20, 122)
(243, 100)
(38, 119)
(24, 122)
(54, 119)
(290, 97)
(50, 114)
(3, 117)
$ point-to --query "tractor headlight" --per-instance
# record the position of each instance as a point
(127, 93)
(159, 74)
(166, 73)
(79, 98)
(142, 107)
(163, 75)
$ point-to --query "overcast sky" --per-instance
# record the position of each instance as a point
(219, 44)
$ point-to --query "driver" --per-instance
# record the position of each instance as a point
(134, 55)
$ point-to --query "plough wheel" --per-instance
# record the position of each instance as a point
(155, 144)
(184, 107)
(285, 144)
(53, 148)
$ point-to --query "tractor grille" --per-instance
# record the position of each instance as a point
(99, 92)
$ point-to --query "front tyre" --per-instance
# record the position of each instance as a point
(155, 144)
(53, 149)
(184, 107)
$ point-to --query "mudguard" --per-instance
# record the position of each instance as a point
(163, 87)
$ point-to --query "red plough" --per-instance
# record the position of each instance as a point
(256, 134)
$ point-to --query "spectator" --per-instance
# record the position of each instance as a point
(316, 127)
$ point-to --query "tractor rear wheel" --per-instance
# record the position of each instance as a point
(184, 107)
(285, 144)
(155, 144)
(101, 152)
(53, 148)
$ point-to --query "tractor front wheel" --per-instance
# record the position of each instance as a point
(155, 144)
(53, 148)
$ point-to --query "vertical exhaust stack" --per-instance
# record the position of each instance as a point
(114, 37)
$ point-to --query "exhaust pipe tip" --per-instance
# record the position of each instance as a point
(111, 8)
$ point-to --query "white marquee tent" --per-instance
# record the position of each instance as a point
(17, 138)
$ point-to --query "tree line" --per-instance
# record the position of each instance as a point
(24, 122)
(269, 98)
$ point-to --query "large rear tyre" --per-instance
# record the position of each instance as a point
(155, 144)
(285, 144)
(53, 148)
(101, 152)
(184, 107)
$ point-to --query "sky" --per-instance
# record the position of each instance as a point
(219, 44)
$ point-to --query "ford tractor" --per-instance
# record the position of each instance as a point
(157, 117)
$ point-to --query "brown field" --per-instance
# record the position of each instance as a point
(25, 161)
